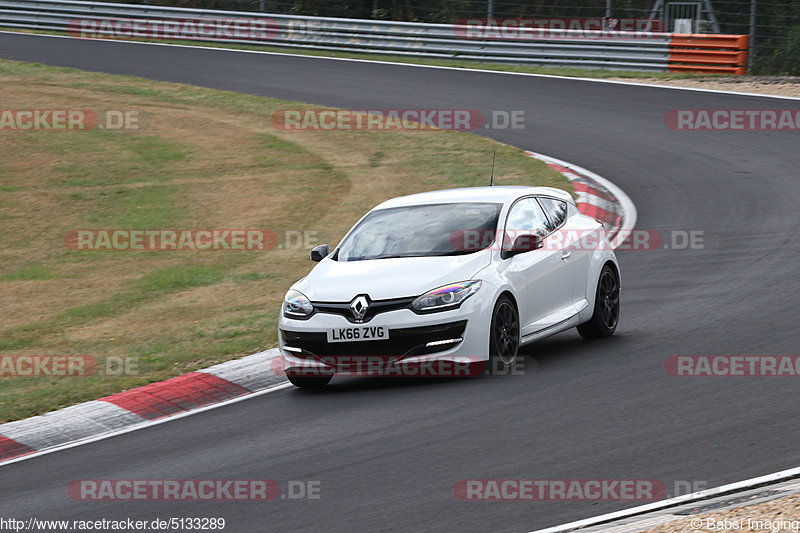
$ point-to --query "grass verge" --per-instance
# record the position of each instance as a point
(202, 159)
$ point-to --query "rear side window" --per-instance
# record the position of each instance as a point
(556, 212)
(526, 216)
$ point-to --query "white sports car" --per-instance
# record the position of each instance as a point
(474, 272)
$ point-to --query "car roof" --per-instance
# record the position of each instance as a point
(497, 194)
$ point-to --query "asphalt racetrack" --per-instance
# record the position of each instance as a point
(389, 454)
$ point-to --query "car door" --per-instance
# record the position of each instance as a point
(569, 241)
(543, 277)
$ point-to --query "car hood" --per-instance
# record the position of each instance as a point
(382, 279)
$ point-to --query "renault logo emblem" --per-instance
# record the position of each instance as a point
(359, 307)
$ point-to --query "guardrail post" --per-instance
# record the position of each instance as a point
(753, 8)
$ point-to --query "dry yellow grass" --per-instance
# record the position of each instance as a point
(202, 159)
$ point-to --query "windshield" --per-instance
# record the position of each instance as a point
(420, 231)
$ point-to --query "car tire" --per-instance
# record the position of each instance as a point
(309, 382)
(503, 334)
(605, 316)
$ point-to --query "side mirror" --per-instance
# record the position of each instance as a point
(522, 244)
(319, 252)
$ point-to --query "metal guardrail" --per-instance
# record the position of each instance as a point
(573, 48)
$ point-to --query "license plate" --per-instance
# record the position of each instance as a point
(358, 333)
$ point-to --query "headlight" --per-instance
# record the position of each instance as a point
(447, 297)
(296, 305)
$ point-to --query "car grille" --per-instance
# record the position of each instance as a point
(401, 342)
(375, 307)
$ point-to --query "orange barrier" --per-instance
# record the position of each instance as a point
(700, 52)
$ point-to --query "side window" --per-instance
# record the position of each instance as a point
(556, 211)
(526, 216)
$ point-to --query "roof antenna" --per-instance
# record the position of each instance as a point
(491, 178)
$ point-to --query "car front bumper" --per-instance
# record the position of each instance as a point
(414, 339)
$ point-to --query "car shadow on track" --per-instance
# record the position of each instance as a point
(536, 357)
